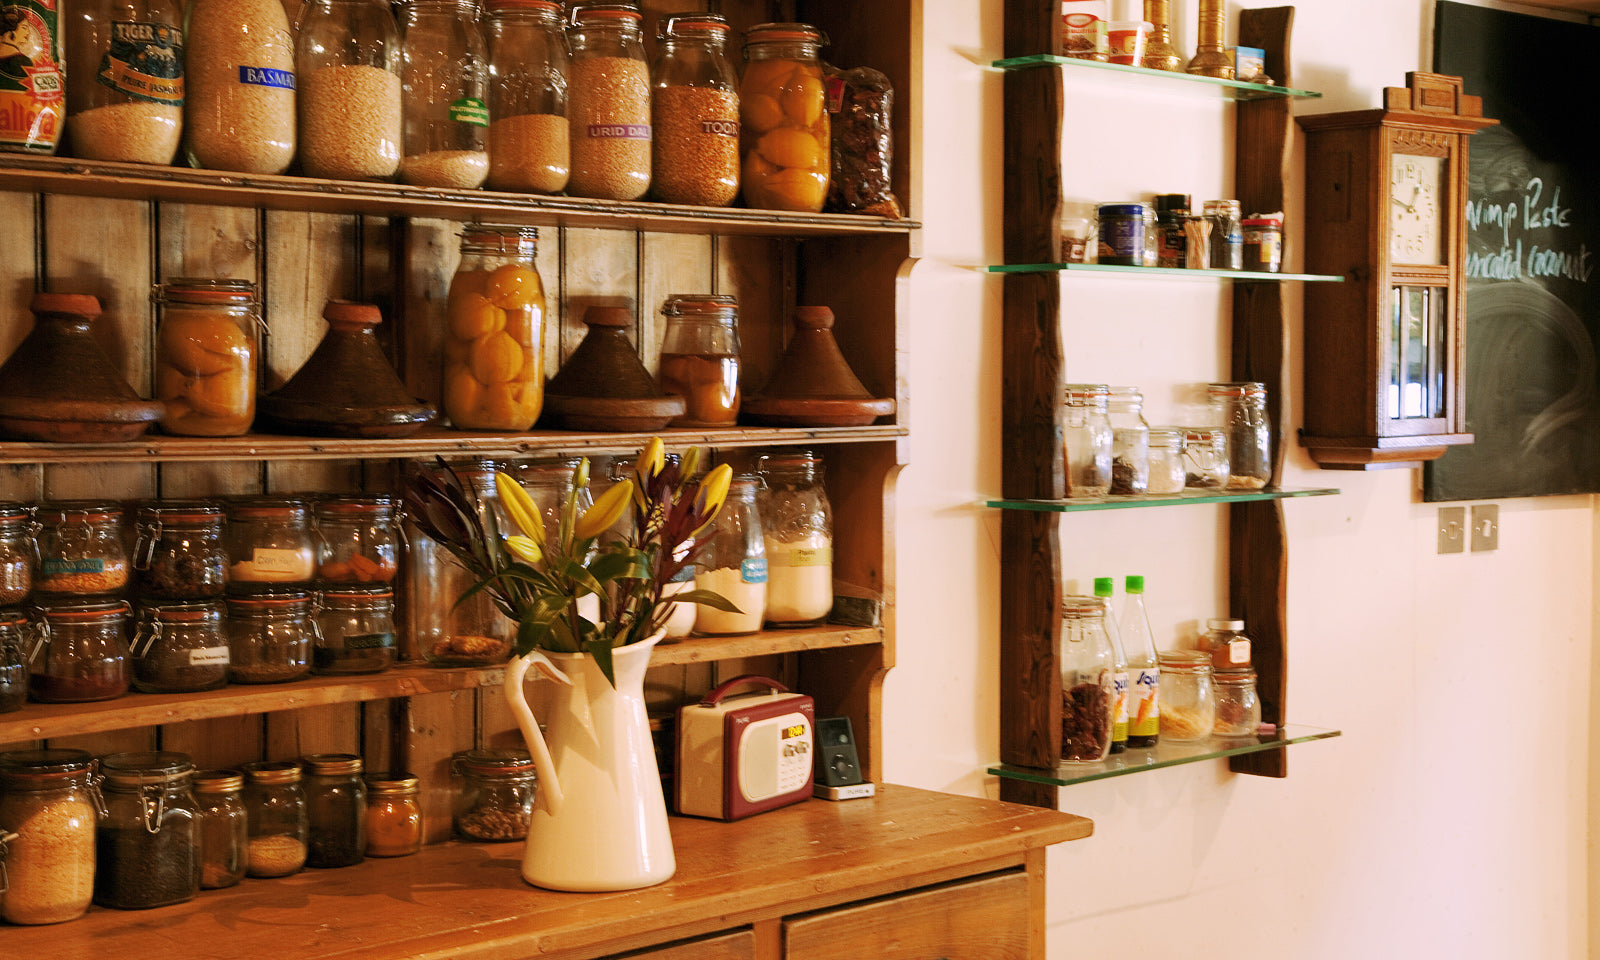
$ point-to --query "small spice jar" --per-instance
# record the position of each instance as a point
(494, 331)
(695, 111)
(797, 527)
(206, 356)
(147, 847)
(19, 553)
(1263, 244)
(1130, 441)
(1087, 438)
(270, 636)
(358, 539)
(355, 631)
(700, 358)
(1227, 644)
(347, 70)
(82, 654)
(81, 551)
(394, 820)
(269, 544)
(735, 565)
(178, 552)
(1238, 706)
(224, 827)
(131, 107)
(608, 110)
(444, 76)
(1120, 228)
(530, 147)
(13, 660)
(1227, 234)
(336, 810)
(49, 808)
(1088, 681)
(180, 648)
(496, 796)
(275, 810)
(785, 131)
(1205, 458)
(1167, 474)
(1188, 705)
(1242, 410)
(1172, 232)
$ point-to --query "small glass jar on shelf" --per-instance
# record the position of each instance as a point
(1226, 643)
(1088, 681)
(735, 565)
(347, 75)
(358, 539)
(530, 145)
(1238, 704)
(269, 544)
(700, 358)
(81, 550)
(82, 654)
(15, 641)
(19, 553)
(496, 795)
(1205, 458)
(275, 810)
(394, 819)
(1242, 411)
(224, 827)
(444, 77)
(447, 627)
(336, 810)
(147, 846)
(270, 636)
(1188, 704)
(695, 111)
(355, 631)
(1087, 437)
(797, 528)
(49, 809)
(608, 108)
(206, 356)
(180, 647)
(178, 552)
(494, 331)
(1167, 473)
(1130, 441)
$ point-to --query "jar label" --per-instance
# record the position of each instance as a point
(810, 556)
(145, 62)
(30, 78)
(1144, 707)
(1119, 722)
(209, 657)
(368, 641)
(470, 110)
(268, 562)
(266, 77)
(720, 128)
(1239, 651)
(619, 131)
(753, 571)
(59, 565)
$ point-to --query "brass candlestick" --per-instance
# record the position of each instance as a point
(1159, 53)
(1210, 59)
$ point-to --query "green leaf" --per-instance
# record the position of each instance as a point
(601, 651)
(708, 598)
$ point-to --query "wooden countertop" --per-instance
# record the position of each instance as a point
(463, 900)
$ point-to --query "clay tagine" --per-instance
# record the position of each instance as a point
(603, 385)
(346, 388)
(812, 385)
(60, 387)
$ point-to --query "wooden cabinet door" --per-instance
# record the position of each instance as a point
(739, 945)
(984, 919)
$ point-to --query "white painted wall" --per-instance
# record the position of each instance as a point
(1451, 819)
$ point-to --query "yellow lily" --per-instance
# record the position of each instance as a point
(519, 506)
(651, 459)
(524, 549)
(713, 490)
(607, 510)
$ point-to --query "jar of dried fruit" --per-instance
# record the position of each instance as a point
(494, 333)
(696, 113)
(347, 67)
(700, 358)
(444, 79)
(530, 144)
(1088, 681)
(358, 539)
(785, 129)
(125, 100)
(609, 110)
(206, 356)
(178, 552)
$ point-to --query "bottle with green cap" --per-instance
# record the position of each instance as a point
(1144, 670)
(1103, 587)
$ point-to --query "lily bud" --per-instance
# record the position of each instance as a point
(580, 476)
(524, 549)
(713, 490)
(519, 506)
(607, 510)
(651, 459)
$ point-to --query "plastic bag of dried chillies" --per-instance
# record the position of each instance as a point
(861, 101)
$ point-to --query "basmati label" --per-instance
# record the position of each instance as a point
(470, 110)
(31, 107)
(266, 77)
(145, 62)
(55, 566)
(619, 131)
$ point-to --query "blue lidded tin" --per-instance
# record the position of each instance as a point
(1122, 233)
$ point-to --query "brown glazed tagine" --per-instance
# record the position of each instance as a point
(812, 385)
(603, 385)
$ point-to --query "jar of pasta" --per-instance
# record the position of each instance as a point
(19, 553)
(700, 358)
(784, 129)
(82, 654)
(494, 331)
(180, 648)
(125, 99)
(347, 67)
(609, 105)
(239, 108)
(445, 82)
(358, 539)
(797, 526)
(206, 356)
(1188, 705)
(269, 544)
(695, 113)
(49, 807)
(178, 552)
(530, 144)
(81, 551)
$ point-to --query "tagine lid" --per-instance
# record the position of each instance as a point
(812, 384)
(604, 386)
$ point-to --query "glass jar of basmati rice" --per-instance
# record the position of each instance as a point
(239, 112)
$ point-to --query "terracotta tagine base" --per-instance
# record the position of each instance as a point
(812, 385)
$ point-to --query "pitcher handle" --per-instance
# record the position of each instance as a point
(549, 787)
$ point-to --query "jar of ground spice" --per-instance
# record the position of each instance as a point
(206, 356)
(275, 811)
(224, 827)
(239, 110)
(530, 146)
(270, 636)
(355, 630)
(82, 654)
(394, 821)
(347, 69)
(496, 797)
(180, 647)
(358, 539)
(336, 810)
(178, 552)
(81, 551)
(19, 553)
(13, 660)
(48, 812)
(125, 98)
(148, 844)
(444, 77)
(609, 103)
(784, 130)
(695, 113)
(269, 544)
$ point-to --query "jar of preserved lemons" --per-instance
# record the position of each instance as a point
(784, 118)
(493, 348)
(206, 356)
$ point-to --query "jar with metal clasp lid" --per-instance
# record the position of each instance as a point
(700, 358)
(1188, 704)
(444, 76)
(797, 528)
(336, 810)
(224, 827)
(447, 627)
(180, 647)
(1130, 441)
(148, 844)
(1088, 681)
(19, 552)
(1242, 410)
(355, 630)
(1227, 234)
(1087, 437)
(785, 132)
(276, 817)
(206, 356)
(394, 820)
(13, 659)
(178, 552)
(81, 551)
(358, 539)
(494, 331)
(49, 808)
(735, 565)
(1205, 458)
(81, 651)
(530, 146)
(270, 636)
(269, 544)
(1167, 472)
(496, 796)
(608, 107)
(695, 112)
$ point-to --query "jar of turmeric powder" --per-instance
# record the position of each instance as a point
(394, 820)
(494, 331)
(206, 356)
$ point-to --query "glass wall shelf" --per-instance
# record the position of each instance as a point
(1163, 755)
(1183, 272)
(1160, 500)
(1231, 89)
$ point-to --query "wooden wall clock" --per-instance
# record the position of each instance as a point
(1385, 209)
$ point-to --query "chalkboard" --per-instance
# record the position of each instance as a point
(1533, 249)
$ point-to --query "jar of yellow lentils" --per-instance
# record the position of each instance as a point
(493, 348)
(783, 111)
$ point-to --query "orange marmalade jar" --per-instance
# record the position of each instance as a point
(494, 337)
(206, 356)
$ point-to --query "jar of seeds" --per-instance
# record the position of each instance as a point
(496, 797)
(49, 807)
(696, 113)
(276, 817)
(784, 132)
(358, 539)
(128, 104)
(147, 847)
(347, 65)
(180, 648)
(239, 110)
(445, 83)
(609, 109)
(224, 827)
(530, 147)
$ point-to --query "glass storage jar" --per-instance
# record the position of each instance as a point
(347, 69)
(394, 820)
(1225, 641)
(548, 482)
(19, 553)
(1188, 705)
(336, 810)
(1087, 437)
(1088, 681)
(358, 539)
(49, 808)
(1123, 232)
(13, 660)
(797, 529)
(1172, 230)
(1167, 472)
(1242, 410)
(444, 77)
(178, 552)
(1238, 707)
(275, 811)
(784, 129)
(1227, 234)
(239, 105)
(496, 795)
(180, 647)
(1263, 244)
(147, 847)
(494, 331)
(224, 827)
(126, 92)
(734, 565)
(355, 631)
(695, 113)
(530, 143)
(700, 358)
(81, 551)
(447, 627)
(608, 105)
(82, 653)
(1130, 441)
(1205, 458)
(269, 544)
(270, 636)
(206, 355)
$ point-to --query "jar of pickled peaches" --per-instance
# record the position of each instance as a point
(784, 126)
(493, 348)
(206, 356)
(700, 358)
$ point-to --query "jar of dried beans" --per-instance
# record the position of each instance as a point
(83, 652)
(696, 113)
(609, 105)
(239, 111)
(530, 145)
(48, 812)
(394, 820)
(13, 660)
(148, 844)
(270, 636)
(700, 358)
(1188, 705)
(496, 797)
(180, 648)
(125, 101)
(784, 131)
(445, 82)
(277, 822)
(19, 553)
(269, 544)
(347, 66)
(206, 356)
(797, 525)
(178, 552)
(1088, 681)
(355, 630)
(81, 550)
(336, 810)
(494, 331)
(224, 827)
(358, 539)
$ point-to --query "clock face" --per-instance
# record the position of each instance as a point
(1416, 209)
